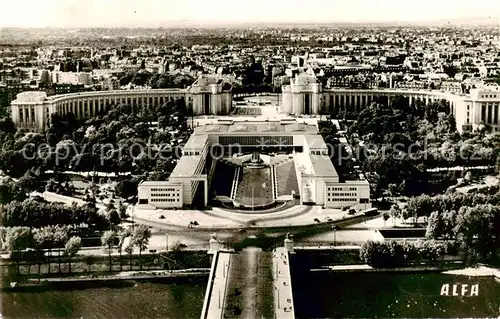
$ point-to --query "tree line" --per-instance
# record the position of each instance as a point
(71, 144)
(399, 253)
(473, 219)
(37, 213)
(34, 246)
(79, 145)
(426, 138)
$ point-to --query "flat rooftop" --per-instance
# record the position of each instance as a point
(323, 166)
(196, 142)
(256, 127)
(186, 166)
(157, 183)
(315, 142)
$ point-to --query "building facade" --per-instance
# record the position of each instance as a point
(32, 110)
(211, 95)
(305, 95)
(317, 180)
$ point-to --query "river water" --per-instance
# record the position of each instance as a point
(180, 299)
(316, 295)
(393, 295)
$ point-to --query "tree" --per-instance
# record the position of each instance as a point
(108, 240)
(91, 192)
(434, 226)
(40, 242)
(10, 191)
(374, 253)
(17, 240)
(60, 237)
(122, 210)
(419, 206)
(395, 212)
(141, 237)
(126, 188)
(89, 260)
(73, 245)
(122, 235)
(50, 237)
(393, 190)
(386, 216)
(3, 238)
(113, 217)
(476, 228)
(129, 249)
(497, 165)
(396, 253)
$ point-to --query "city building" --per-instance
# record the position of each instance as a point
(293, 156)
(207, 96)
(305, 95)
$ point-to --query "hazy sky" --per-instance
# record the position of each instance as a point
(156, 13)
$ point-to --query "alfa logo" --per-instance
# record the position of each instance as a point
(463, 290)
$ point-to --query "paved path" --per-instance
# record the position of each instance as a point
(249, 286)
(217, 218)
(220, 219)
(328, 247)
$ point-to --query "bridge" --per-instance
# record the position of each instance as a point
(249, 284)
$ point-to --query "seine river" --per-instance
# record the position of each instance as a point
(393, 295)
(316, 295)
(120, 300)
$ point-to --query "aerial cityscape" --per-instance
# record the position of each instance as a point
(266, 159)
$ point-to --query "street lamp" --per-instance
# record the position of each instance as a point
(335, 228)
(166, 242)
(133, 212)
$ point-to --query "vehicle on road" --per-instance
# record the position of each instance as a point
(371, 212)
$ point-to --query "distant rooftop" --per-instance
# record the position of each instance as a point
(304, 79)
(206, 80)
(31, 96)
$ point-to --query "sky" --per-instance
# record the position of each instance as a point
(158, 13)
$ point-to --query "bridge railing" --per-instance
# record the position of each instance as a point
(210, 285)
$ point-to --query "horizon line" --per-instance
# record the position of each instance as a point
(483, 21)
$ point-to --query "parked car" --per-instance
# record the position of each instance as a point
(371, 212)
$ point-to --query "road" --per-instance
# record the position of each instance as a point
(195, 238)
(250, 285)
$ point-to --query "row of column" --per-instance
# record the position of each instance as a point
(360, 100)
(489, 113)
(27, 115)
(348, 100)
(85, 107)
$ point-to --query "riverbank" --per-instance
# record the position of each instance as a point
(367, 268)
(88, 265)
(478, 271)
(120, 276)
